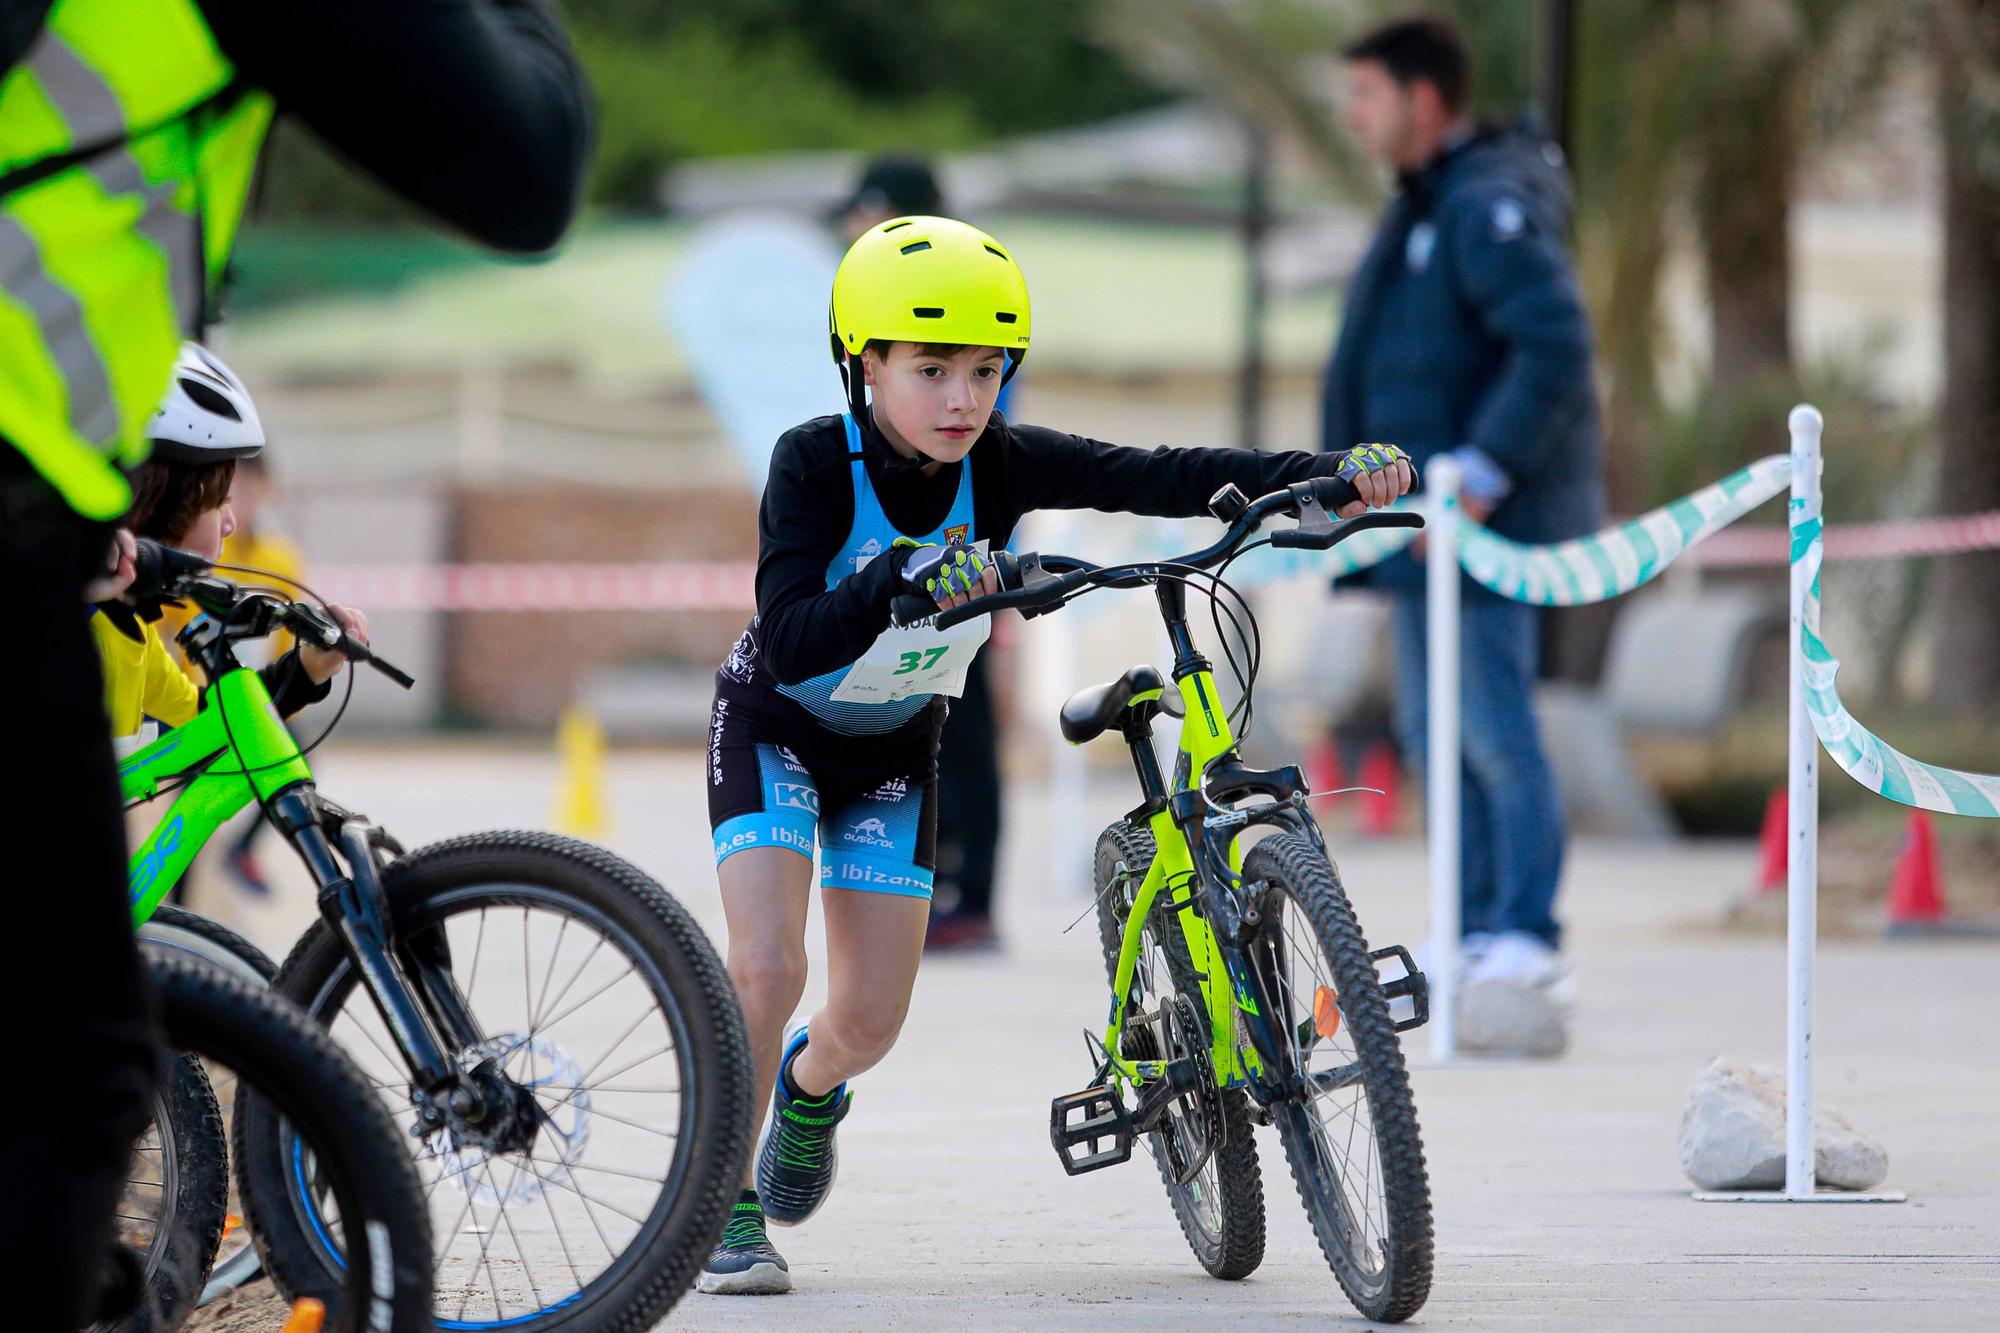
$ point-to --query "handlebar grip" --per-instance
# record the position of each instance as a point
(158, 566)
(1333, 492)
(909, 608)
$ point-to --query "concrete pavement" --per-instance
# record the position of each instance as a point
(1558, 1198)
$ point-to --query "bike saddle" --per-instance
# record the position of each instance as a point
(1093, 711)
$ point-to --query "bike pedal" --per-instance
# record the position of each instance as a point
(1412, 984)
(1082, 1121)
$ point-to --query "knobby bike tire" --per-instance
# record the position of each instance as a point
(287, 1066)
(637, 1288)
(176, 931)
(192, 933)
(1306, 879)
(193, 1196)
(1238, 1247)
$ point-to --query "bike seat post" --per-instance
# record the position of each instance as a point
(1138, 733)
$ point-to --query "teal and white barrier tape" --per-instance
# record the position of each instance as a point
(1614, 562)
(1864, 756)
(1572, 573)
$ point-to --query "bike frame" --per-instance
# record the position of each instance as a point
(1184, 826)
(238, 750)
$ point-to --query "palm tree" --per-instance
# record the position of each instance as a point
(1967, 47)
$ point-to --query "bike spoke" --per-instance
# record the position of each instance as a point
(551, 1024)
(609, 1171)
(556, 1222)
(587, 1198)
(527, 1268)
(535, 1009)
(648, 1129)
(595, 1225)
(535, 1023)
(584, 1085)
(584, 1078)
(478, 945)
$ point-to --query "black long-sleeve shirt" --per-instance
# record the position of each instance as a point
(473, 110)
(804, 629)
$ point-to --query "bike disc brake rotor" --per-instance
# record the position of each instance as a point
(1193, 1127)
(556, 1084)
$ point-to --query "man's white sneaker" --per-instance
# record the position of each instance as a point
(1521, 959)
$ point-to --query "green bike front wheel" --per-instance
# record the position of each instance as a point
(1351, 1136)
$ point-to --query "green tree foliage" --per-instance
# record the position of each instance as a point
(677, 81)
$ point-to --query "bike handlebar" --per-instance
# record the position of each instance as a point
(167, 571)
(1035, 584)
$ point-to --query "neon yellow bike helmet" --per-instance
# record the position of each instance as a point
(928, 280)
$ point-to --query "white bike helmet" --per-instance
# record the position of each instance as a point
(207, 415)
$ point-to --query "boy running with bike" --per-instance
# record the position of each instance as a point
(826, 720)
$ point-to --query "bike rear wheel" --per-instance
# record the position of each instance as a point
(176, 932)
(1221, 1210)
(599, 995)
(175, 1201)
(1353, 1143)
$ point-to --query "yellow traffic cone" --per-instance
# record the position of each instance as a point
(307, 1316)
(580, 808)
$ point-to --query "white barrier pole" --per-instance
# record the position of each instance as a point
(1802, 887)
(1442, 763)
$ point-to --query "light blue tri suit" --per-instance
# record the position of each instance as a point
(864, 783)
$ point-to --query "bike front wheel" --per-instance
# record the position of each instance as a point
(599, 998)
(1350, 1133)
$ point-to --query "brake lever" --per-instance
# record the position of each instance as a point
(332, 636)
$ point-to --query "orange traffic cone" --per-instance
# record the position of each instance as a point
(308, 1316)
(1916, 894)
(1381, 814)
(1773, 853)
(1323, 769)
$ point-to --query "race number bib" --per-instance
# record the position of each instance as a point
(917, 660)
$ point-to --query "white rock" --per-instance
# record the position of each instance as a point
(1733, 1135)
(1507, 1018)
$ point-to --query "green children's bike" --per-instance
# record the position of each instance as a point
(1242, 989)
(552, 1030)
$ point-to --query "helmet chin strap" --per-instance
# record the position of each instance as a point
(857, 390)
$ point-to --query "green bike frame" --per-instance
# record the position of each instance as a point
(1205, 737)
(238, 750)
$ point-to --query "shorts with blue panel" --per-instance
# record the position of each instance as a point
(778, 777)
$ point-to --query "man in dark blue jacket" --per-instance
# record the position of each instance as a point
(1465, 335)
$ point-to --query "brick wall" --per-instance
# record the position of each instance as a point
(514, 669)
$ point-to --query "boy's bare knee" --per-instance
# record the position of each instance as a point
(866, 1035)
(768, 974)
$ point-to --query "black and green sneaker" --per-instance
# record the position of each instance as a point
(796, 1163)
(745, 1263)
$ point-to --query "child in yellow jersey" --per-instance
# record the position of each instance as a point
(181, 496)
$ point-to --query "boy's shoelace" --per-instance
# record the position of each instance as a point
(803, 1146)
(745, 1228)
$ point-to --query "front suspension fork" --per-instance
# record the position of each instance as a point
(428, 1020)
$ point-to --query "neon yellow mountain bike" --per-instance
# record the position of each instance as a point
(551, 1031)
(1242, 989)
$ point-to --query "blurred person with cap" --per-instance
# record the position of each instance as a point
(970, 811)
(1465, 335)
(129, 136)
